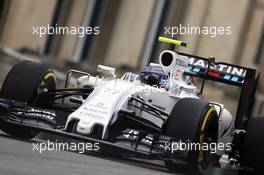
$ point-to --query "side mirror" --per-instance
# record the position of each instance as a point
(106, 70)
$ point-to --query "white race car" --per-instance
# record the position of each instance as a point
(158, 113)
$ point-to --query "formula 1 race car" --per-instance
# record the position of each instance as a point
(158, 113)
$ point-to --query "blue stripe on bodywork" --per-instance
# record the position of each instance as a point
(234, 78)
(227, 77)
(196, 69)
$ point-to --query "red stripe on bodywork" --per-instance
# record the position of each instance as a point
(214, 74)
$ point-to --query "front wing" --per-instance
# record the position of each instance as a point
(130, 142)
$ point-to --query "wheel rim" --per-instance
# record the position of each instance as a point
(47, 84)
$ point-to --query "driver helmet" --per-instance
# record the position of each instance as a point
(154, 75)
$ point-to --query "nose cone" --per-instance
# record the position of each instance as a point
(84, 127)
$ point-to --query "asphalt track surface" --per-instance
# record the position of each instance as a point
(18, 158)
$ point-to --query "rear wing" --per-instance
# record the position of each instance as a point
(217, 71)
(243, 77)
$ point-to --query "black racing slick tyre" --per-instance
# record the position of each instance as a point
(253, 147)
(195, 121)
(27, 82)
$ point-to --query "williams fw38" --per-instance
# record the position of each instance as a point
(157, 113)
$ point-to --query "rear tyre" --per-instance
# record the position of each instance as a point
(194, 120)
(253, 148)
(27, 82)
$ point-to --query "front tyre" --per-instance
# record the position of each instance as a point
(194, 120)
(27, 82)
